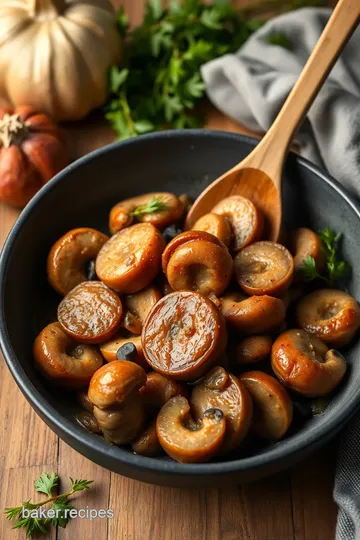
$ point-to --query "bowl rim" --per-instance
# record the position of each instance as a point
(91, 445)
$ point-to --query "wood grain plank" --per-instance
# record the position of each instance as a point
(27, 446)
(313, 506)
(73, 464)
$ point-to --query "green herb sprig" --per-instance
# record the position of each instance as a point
(46, 484)
(158, 84)
(335, 268)
(154, 205)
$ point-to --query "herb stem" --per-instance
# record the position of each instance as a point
(127, 112)
(54, 498)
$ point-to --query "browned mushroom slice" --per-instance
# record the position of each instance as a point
(306, 243)
(138, 307)
(66, 263)
(85, 417)
(187, 441)
(246, 220)
(147, 443)
(273, 408)
(158, 389)
(169, 209)
(63, 360)
(264, 268)
(253, 349)
(187, 202)
(254, 315)
(118, 406)
(304, 363)
(331, 315)
(221, 390)
(183, 336)
(200, 266)
(184, 238)
(130, 260)
(110, 348)
(215, 224)
(91, 312)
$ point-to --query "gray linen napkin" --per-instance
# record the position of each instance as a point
(250, 86)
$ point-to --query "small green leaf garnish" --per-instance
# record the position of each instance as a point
(32, 523)
(335, 268)
(154, 205)
(46, 483)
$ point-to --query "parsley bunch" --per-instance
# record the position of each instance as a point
(59, 504)
(335, 268)
(158, 83)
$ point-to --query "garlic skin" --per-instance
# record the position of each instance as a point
(55, 55)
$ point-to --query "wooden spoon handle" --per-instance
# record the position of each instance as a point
(270, 153)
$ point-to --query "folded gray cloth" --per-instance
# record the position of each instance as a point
(250, 86)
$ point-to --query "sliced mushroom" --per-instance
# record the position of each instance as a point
(217, 225)
(88, 421)
(253, 349)
(246, 220)
(63, 360)
(264, 268)
(304, 363)
(184, 238)
(221, 390)
(131, 323)
(130, 260)
(147, 443)
(125, 212)
(158, 389)
(67, 260)
(200, 266)
(331, 315)
(306, 243)
(110, 348)
(273, 409)
(187, 441)
(83, 400)
(187, 202)
(118, 406)
(91, 312)
(254, 315)
(85, 417)
(183, 336)
(197, 261)
(138, 307)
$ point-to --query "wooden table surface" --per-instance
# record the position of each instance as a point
(293, 505)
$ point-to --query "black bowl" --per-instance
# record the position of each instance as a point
(81, 195)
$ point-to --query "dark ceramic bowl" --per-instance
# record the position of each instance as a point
(81, 195)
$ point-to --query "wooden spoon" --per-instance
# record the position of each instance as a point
(258, 176)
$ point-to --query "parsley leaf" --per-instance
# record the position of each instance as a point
(158, 82)
(46, 483)
(60, 506)
(154, 205)
(80, 485)
(335, 268)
